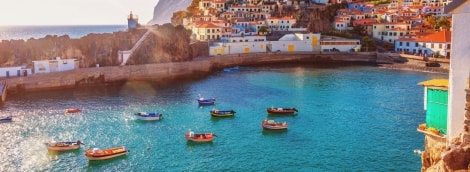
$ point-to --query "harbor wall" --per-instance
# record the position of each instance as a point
(162, 72)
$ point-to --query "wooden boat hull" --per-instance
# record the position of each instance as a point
(272, 125)
(63, 146)
(106, 153)
(198, 137)
(72, 110)
(206, 102)
(281, 111)
(222, 113)
(6, 119)
(92, 158)
(269, 127)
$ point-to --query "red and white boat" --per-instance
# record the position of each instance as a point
(199, 137)
(72, 110)
(273, 125)
(97, 154)
(63, 146)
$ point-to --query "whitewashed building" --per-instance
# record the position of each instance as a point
(438, 43)
(459, 66)
(57, 65)
(14, 71)
(258, 44)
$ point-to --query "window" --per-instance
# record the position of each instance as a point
(407, 44)
(400, 43)
(440, 46)
(375, 27)
(432, 45)
(386, 27)
(416, 45)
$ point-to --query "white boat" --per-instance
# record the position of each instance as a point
(149, 116)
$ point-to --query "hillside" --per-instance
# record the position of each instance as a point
(103, 48)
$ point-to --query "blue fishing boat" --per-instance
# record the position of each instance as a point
(204, 102)
(149, 116)
(6, 119)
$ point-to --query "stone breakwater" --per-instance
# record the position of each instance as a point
(164, 72)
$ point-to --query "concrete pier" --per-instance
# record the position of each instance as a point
(163, 72)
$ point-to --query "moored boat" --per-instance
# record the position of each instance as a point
(273, 125)
(97, 154)
(72, 110)
(149, 116)
(281, 111)
(205, 102)
(6, 119)
(222, 113)
(199, 137)
(63, 146)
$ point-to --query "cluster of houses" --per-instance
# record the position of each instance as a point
(240, 26)
(400, 23)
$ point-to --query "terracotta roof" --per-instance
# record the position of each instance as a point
(442, 36)
(206, 25)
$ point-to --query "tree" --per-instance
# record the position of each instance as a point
(360, 30)
(368, 43)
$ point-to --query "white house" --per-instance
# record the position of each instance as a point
(459, 67)
(435, 43)
(57, 65)
(14, 71)
(390, 31)
(258, 44)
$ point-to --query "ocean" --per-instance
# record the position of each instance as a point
(351, 118)
(78, 31)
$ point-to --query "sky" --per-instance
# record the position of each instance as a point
(74, 12)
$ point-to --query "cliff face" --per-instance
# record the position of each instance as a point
(164, 10)
(165, 44)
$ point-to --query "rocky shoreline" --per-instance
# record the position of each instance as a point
(417, 65)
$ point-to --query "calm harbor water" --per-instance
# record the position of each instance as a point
(350, 119)
(74, 31)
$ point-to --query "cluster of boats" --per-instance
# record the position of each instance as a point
(103, 154)
(91, 154)
(266, 124)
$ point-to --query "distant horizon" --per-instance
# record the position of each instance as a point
(74, 12)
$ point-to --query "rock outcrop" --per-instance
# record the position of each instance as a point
(166, 44)
(164, 10)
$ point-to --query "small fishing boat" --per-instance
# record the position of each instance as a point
(282, 111)
(97, 154)
(63, 146)
(273, 125)
(6, 119)
(72, 110)
(222, 113)
(205, 102)
(149, 116)
(199, 137)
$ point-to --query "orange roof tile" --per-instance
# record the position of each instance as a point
(442, 36)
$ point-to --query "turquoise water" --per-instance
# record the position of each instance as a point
(350, 119)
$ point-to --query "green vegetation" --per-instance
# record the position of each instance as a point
(368, 44)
